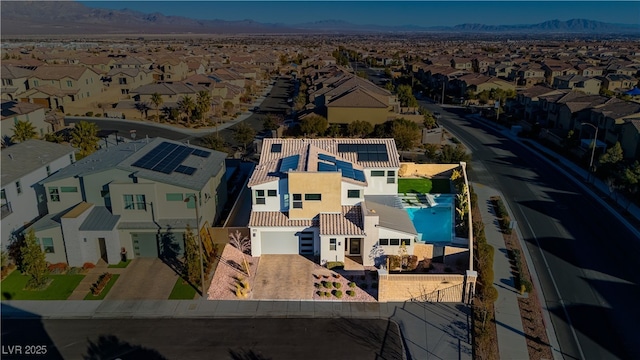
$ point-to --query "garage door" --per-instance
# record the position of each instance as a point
(306, 243)
(279, 243)
(145, 244)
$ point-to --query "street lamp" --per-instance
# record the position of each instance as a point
(195, 199)
(593, 150)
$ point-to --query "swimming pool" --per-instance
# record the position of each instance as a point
(434, 224)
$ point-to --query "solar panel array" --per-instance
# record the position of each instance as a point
(366, 152)
(276, 148)
(289, 163)
(344, 167)
(167, 157)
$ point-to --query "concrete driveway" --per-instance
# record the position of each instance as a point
(283, 277)
(144, 278)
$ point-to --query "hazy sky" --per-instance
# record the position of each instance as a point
(422, 13)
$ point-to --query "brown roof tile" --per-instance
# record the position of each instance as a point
(349, 222)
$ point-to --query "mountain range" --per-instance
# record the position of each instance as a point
(68, 18)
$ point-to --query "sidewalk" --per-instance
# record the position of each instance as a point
(429, 330)
(511, 338)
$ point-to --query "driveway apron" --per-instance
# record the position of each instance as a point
(283, 277)
(145, 278)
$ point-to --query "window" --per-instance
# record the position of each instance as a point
(406, 241)
(313, 197)
(3, 194)
(191, 203)
(47, 245)
(395, 242)
(128, 202)
(48, 168)
(141, 203)
(353, 194)
(384, 241)
(174, 197)
(377, 173)
(297, 201)
(18, 187)
(276, 148)
(272, 193)
(332, 244)
(69, 83)
(391, 177)
(36, 83)
(260, 200)
(69, 189)
(54, 195)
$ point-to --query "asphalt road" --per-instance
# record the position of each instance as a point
(584, 257)
(184, 339)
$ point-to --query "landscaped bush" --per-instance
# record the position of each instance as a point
(89, 113)
(352, 284)
(88, 265)
(396, 261)
(98, 115)
(317, 285)
(520, 283)
(351, 293)
(337, 285)
(74, 270)
(335, 264)
(337, 293)
(412, 263)
(102, 281)
(327, 284)
(502, 214)
(320, 293)
(57, 268)
(327, 294)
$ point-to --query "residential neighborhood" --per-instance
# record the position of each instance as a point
(466, 191)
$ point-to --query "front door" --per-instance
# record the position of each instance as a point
(103, 249)
(354, 246)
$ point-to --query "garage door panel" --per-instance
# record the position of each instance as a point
(144, 244)
(279, 243)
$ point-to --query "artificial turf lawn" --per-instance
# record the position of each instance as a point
(182, 290)
(120, 265)
(424, 186)
(104, 291)
(13, 287)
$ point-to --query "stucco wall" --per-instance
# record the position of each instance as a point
(326, 183)
(408, 169)
(345, 115)
(399, 287)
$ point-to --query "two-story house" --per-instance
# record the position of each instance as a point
(14, 111)
(586, 85)
(140, 196)
(53, 86)
(328, 198)
(14, 81)
(24, 165)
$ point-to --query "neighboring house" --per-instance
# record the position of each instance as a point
(478, 83)
(14, 81)
(139, 196)
(129, 78)
(14, 111)
(530, 75)
(79, 82)
(610, 119)
(358, 104)
(618, 82)
(171, 93)
(587, 85)
(462, 63)
(569, 110)
(172, 69)
(557, 68)
(24, 165)
(630, 138)
(330, 198)
(527, 103)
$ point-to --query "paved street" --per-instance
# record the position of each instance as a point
(184, 339)
(581, 252)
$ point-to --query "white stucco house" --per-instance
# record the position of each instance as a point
(24, 165)
(329, 198)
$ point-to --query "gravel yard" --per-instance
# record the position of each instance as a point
(223, 284)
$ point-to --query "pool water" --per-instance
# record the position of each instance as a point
(432, 223)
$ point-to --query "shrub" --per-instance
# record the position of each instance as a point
(58, 268)
(89, 113)
(336, 276)
(320, 293)
(352, 284)
(317, 285)
(412, 263)
(337, 293)
(88, 265)
(98, 115)
(327, 294)
(102, 281)
(327, 284)
(335, 264)
(337, 285)
(74, 270)
(351, 293)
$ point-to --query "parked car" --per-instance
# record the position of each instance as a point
(256, 109)
(437, 115)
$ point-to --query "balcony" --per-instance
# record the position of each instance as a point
(6, 210)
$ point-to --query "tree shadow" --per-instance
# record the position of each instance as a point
(243, 354)
(363, 333)
(170, 250)
(110, 347)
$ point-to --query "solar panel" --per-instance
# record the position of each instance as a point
(359, 175)
(326, 157)
(276, 148)
(156, 155)
(201, 153)
(186, 169)
(343, 148)
(327, 167)
(289, 163)
(348, 173)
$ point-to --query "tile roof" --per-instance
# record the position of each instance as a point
(277, 219)
(30, 155)
(358, 98)
(349, 222)
(308, 149)
(13, 108)
(56, 72)
(14, 72)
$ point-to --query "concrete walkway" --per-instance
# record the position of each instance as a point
(511, 340)
(429, 330)
(91, 277)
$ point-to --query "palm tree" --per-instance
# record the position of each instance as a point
(84, 136)
(23, 131)
(186, 105)
(156, 100)
(203, 102)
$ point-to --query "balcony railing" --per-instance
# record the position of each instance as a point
(6, 209)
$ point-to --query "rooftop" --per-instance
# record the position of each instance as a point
(23, 158)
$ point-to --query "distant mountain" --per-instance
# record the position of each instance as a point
(68, 17)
